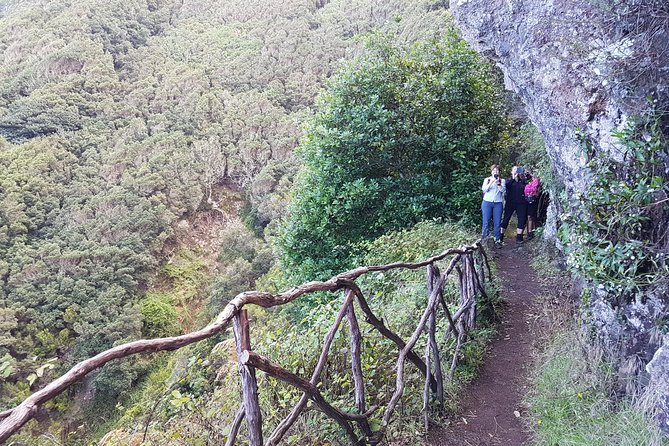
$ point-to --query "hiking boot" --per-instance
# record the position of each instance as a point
(499, 244)
(519, 238)
(530, 236)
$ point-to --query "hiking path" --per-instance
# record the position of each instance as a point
(491, 410)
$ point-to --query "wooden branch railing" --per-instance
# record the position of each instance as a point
(470, 263)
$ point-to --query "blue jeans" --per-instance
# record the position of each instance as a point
(494, 211)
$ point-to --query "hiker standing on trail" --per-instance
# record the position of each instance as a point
(491, 207)
(532, 192)
(515, 201)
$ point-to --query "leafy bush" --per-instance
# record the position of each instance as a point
(237, 242)
(186, 274)
(534, 155)
(160, 318)
(400, 137)
(617, 236)
(243, 259)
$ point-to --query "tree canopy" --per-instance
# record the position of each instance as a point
(400, 136)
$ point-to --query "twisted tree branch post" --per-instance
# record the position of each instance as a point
(283, 427)
(236, 424)
(458, 345)
(481, 250)
(378, 324)
(467, 300)
(399, 382)
(261, 363)
(472, 291)
(468, 290)
(480, 285)
(356, 366)
(248, 378)
(432, 275)
(479, 263)
(451, 319)
(426, 387)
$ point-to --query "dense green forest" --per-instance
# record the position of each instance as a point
(121, 119)
(158, 157)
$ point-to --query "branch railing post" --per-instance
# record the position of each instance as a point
(253, 359)
(356, 367)
(248, 379)
(471, 290)
(432, 275)
(283, 427)
(381, 328)
(236, 424)
(426, 387)
(432, 303)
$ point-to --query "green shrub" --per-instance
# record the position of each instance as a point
(534, 156)
(243, 259)
(159, 317)
(613, 238)
(186, 273)
(237, 242)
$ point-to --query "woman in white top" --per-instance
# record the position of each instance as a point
(491, 207)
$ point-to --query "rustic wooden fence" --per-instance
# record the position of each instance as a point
(469, 262)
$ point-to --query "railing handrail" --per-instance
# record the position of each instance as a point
(471, 282)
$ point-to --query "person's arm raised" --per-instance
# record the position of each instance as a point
(487, 184)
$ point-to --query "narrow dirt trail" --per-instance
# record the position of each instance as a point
(491, 404)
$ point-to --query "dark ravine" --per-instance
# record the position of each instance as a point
(590, 65)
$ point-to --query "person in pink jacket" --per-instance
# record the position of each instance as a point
(532, 192)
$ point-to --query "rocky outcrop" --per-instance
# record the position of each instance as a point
(575, 64)
(589, 65)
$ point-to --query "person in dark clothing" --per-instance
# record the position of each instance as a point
(515, 201)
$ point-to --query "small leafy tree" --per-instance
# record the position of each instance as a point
(402, 135)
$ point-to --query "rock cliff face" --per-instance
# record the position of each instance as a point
(588, 64)
(575, 64)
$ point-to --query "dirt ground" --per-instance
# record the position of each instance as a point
(491, 408)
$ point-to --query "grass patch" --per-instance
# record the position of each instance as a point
(571, 399)
(571, 403)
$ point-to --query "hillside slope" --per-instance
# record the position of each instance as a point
(118, 119)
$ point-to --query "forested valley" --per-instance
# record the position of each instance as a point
(160, 158)
(148, 156)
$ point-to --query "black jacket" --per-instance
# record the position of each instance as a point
(515, 191)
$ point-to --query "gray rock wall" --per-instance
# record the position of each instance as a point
(574, 64)
(588, 64)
